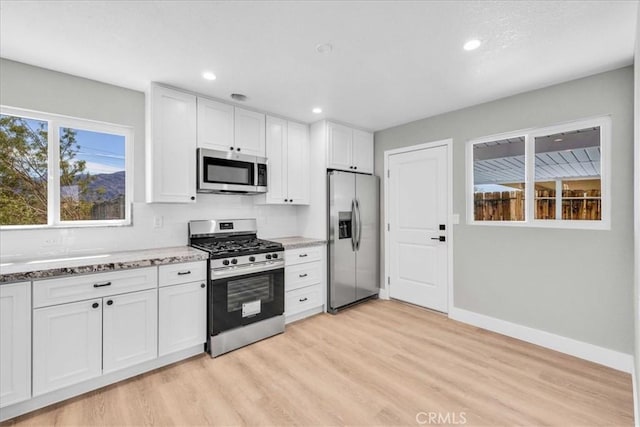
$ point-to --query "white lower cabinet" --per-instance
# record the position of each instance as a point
(304, 282)
(67, 344)
(15, 343)
(130, 329)
(183, 316)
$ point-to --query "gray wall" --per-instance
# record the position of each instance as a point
(637, 210)
(573, 283)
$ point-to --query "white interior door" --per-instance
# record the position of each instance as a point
(417, 209)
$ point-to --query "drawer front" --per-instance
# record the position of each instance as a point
(309, 254)
(77, 288)
(186, 272)
(301, 275)
(302, 299)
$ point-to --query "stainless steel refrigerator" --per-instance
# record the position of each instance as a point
(353, 232)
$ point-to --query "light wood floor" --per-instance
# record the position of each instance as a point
(380, 363)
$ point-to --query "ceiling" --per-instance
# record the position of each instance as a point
(391, 63)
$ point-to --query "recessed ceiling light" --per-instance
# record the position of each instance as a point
(557, 140)
(317, 110)
(208, 75)
(472, 44)
(324, 48)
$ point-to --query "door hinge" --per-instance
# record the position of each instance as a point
(388, 280)
(388, 173)
(388, 227)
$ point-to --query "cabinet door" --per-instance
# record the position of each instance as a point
(130, 328)
(277, 160)
(15, 343)
(171, 147)
(249, 132)
(339, 146)
(183, 316)
(298, 163)
(215, 125)
(362, 151)
(67, 344)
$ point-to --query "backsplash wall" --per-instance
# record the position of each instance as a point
(273, 221)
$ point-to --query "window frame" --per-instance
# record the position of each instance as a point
(529, 134)
(54, 123)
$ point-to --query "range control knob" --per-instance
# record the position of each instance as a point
(234, 261)
(274, 256)
(268, 256)
(225, 262)
(252, 258)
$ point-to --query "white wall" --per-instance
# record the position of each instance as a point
(34, 88)
(637, 215)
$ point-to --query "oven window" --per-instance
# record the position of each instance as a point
(249, 289)
(228, 171)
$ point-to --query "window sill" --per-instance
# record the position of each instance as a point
(555, 224)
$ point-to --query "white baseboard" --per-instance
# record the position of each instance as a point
(593, 353)
(383, 294)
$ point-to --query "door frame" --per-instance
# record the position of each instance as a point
(384, 288)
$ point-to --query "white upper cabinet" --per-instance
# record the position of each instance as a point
(349, 149)
(362, 153)
(171, 146)
(298, 163)
(339, 145)
(15, 343)
(249, 132)
(215, 125)
(288, 169)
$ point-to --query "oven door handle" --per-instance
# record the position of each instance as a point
(223, 274)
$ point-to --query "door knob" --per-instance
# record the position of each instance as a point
(439, 238)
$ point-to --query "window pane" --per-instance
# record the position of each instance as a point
(567, 169)
(23, 171)
(498, 180)
(92, 175)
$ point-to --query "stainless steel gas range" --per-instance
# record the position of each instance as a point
(246, 283)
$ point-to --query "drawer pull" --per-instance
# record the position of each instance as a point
(302, 275)
(302, 255)
(183, 273)
(95, 305)
(100, 285)
(303, 299)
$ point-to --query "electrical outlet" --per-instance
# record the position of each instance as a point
(157, 221)
(455, 219)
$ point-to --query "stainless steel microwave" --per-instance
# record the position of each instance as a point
(230, 172)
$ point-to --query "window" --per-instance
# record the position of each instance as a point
(59, 171)
(549, 177)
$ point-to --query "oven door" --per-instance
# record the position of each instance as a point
(244, 299)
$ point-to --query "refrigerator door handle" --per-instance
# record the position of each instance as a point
(359, 225)
(353, 225)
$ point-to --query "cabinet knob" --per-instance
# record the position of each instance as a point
(95, 305)
(238, 148)
(231, 148)
(286, 200)
(193, 197)
(110, 302)
(350, 167)
(202, 285)
(291, 200)
(355, 167)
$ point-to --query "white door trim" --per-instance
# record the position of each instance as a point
(384, 289)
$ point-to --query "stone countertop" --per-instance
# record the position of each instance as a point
(95, 263)
(296, 242)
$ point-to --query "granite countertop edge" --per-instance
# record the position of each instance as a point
(116, 261)
(296, 242)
